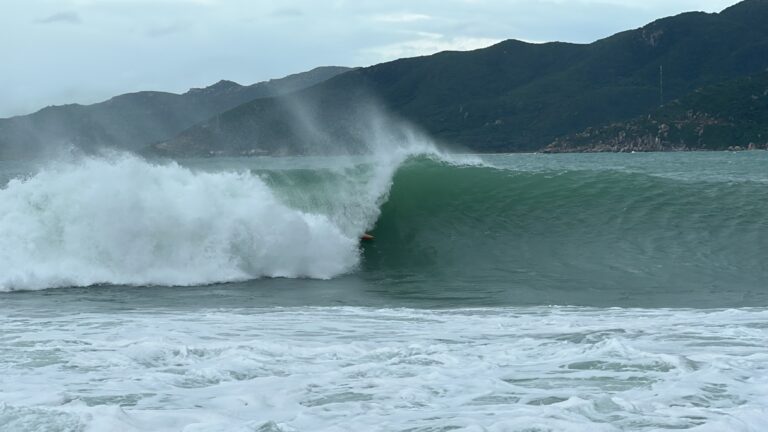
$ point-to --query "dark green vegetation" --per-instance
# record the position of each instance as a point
(728, 116)
(515, 96)
(133, 121)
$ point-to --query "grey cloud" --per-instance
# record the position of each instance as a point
(287, 13)
(61, 17)
(166, 30)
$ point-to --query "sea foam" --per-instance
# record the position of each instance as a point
(362, 369)
(123, 220)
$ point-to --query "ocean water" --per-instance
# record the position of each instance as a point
(608, 292)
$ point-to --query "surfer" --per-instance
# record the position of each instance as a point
(366, 237)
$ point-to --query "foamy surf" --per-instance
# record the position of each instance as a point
(122, 220)
(280, 354)
(361, 369)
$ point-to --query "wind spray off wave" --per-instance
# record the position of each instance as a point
(127, 221)
(121, 220)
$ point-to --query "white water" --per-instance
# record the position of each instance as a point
(122, 220)
(120, 359)
(358, 369)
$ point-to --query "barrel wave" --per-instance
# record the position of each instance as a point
(567, 231)
(541, 229)
(569, 217)
(502, 292)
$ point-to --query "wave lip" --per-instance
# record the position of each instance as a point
(125, 221)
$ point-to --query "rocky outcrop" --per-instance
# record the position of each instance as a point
(649, 135)
(728, 116)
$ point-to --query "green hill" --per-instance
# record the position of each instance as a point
(133, 121)
(727, 116)
(513, 96)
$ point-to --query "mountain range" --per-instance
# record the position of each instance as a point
(513, 96)
(657, 87)
(731, 115)
(135, 120)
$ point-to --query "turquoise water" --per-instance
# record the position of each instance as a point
(627, 230)
(502, 292)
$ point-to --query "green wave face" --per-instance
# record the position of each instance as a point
(570, 230)
(565, 229)
(658, 230)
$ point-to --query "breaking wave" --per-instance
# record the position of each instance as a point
(127, 221)
(122, 220)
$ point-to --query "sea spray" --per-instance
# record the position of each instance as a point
(433, 331)
(368, 146)
(350, 190)
(122, 220)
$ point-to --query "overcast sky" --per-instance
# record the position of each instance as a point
(61, 51)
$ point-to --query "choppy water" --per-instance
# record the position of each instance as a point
(516, 293)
